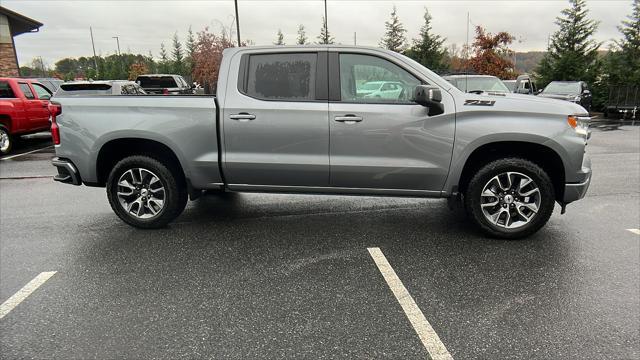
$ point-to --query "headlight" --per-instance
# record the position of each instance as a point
(580, 124)
(576, 99)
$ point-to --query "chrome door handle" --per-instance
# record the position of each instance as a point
(348, 119)
(242, 117)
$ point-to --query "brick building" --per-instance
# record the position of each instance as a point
(12, 24)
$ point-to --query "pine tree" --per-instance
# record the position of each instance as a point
(163, 65)
(630, 29)
(394, 38)
(279, 38)
(302, 36)
(427, 49)
(191, 48)
(191, 43)
(325, 37)
(177, 55)
(572, 52)
(622, 63)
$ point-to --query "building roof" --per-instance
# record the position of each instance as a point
(19, 24)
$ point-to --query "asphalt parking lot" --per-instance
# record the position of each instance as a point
(290, 276)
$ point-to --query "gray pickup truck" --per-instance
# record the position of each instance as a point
(292, 119)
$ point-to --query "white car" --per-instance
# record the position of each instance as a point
(380, 89)
(102, 87)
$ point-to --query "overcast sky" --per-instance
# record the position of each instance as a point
(143, 25)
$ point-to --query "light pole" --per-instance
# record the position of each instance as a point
(237, 23)
(118, 42)
(93, 45)
(326, 23)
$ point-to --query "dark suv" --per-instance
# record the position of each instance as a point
(574, 91)
(167, 84)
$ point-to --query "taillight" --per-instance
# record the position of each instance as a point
(165, 91)
(55, 109)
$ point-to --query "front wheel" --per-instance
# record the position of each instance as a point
(510, 198)
(145, 193)
(6, 141)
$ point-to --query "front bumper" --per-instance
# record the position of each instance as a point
(576, 191)
(67, 172)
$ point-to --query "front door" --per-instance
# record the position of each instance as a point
(276, 128)
(385, 141)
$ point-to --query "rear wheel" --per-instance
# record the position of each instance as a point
(510, 198)
(145, 193)
(6, 141)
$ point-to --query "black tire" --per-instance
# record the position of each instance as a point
(4, 132)
(472, 197)
(175, 191)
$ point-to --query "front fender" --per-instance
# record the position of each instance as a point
(474, 130)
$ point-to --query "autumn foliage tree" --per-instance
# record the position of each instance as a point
(491, 54)
(137, 69)
(207, 57)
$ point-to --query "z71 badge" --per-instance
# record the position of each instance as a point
(480, 102)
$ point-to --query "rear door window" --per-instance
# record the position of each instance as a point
(26, 90)
(284, 77)
(5, 91)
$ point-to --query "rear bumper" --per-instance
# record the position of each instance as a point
(67, 172)
(576, 191)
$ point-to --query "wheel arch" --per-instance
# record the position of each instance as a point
(544, 156)
(7, 122)
(115, 150)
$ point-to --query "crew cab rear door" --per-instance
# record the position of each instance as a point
(386, 141)
(43, 95)
(275, 120)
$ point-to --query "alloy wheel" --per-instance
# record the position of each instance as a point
(5, 142)
(510, 200)
(141, 193)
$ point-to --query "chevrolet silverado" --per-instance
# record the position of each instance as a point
(294, 120)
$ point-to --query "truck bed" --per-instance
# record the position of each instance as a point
(185, 124)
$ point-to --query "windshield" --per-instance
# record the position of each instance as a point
(370, 86)
(486, 84)
(157, 81)
(562, 88)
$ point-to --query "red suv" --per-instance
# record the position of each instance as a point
(23, 110)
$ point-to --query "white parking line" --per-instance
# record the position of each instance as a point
(635, 231)
(22, 294)
(26, 153)
(427, 335)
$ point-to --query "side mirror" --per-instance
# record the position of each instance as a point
(429, 96)
(539, 91)
(586, 92)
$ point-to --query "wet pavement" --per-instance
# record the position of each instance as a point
(289, 276)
